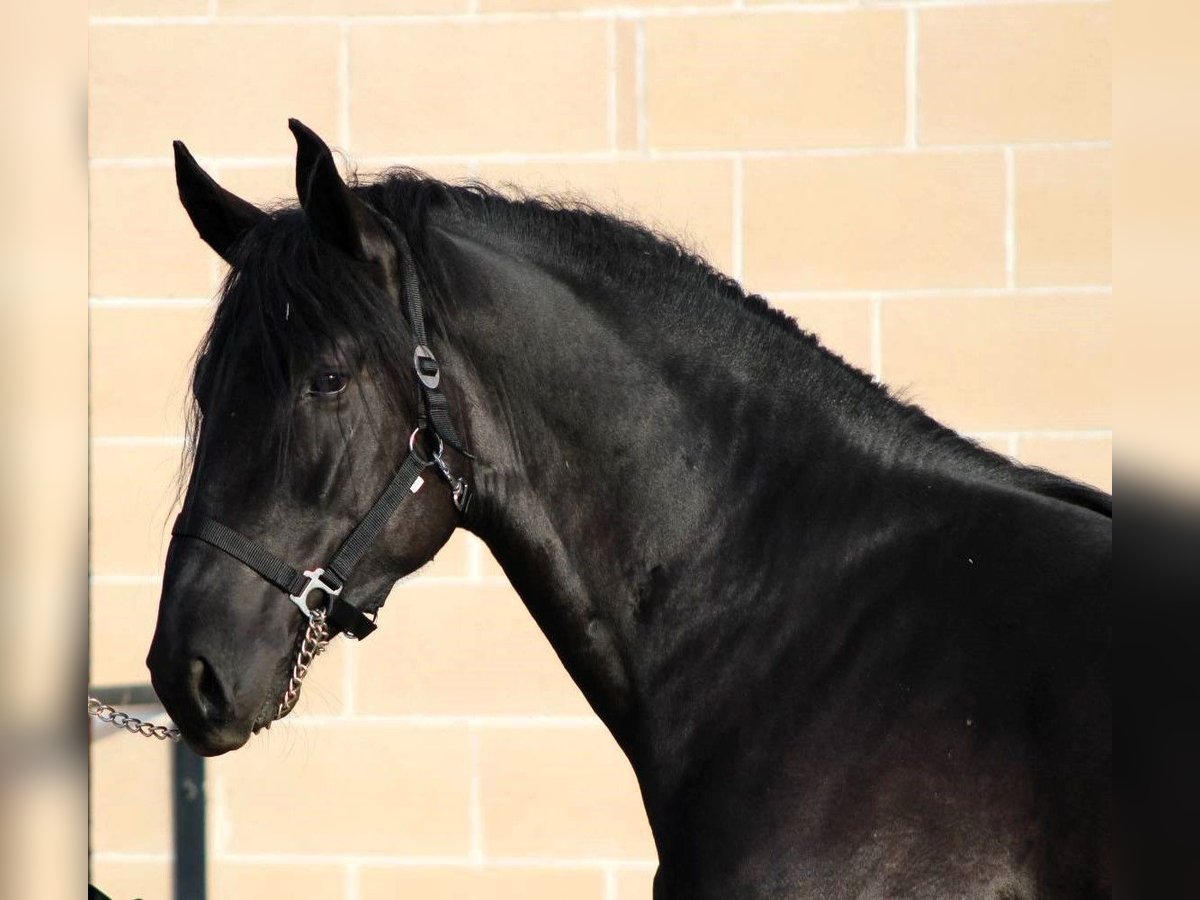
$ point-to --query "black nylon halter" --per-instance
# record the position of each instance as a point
(433, 414)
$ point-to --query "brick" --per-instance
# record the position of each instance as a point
(691, 200)
(779, 80)
(340, 7)
(122, 618)
(1015, 73)
(383, 789)
(843, 325)
(997, 364)
(133, 505)
(120, 763)
(118, 8)
(252, 881)
(1064, 217)
(887, 222)
(635, 884)
(559, 5)
(536, 804)
(225, 89)
(141, 365)
(1085, 459)
(446, 88)
(122, 878)
(460, 651)
(264, 186)
(455, 883)
(141, 242)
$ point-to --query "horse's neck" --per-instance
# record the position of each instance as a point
(620, 457)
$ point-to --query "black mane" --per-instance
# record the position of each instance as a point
(592, 245)
(570, 231)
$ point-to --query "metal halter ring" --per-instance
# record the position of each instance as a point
(412, 447)
(315, 582)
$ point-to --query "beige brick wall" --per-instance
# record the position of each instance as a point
(923, 183)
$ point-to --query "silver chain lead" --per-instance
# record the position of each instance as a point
(118, 719)
(316, 639)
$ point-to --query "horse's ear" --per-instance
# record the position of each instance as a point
(222, 218)
(334, 213)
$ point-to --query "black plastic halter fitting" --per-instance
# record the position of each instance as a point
(426, 366)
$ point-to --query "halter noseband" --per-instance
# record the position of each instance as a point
(433, 414)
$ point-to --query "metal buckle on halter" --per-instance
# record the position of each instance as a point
(315, 582)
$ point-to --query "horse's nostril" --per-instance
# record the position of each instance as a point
(209, 693)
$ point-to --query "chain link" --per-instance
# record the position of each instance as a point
(316, 639)
(118, 719)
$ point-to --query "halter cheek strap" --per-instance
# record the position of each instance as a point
(330, 579)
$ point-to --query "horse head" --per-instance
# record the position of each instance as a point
(304, 390)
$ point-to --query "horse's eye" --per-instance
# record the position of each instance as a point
(326, 384)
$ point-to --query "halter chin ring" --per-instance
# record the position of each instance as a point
(412, 447)
(315, 582)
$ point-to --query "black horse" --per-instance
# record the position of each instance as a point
(848, 652)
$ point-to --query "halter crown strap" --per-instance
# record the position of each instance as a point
(432, 407)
